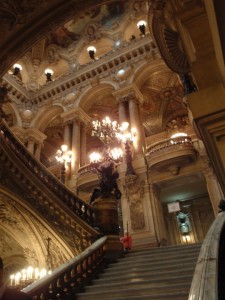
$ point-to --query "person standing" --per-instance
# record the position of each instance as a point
(7, 293)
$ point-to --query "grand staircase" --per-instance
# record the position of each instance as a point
(159, 273)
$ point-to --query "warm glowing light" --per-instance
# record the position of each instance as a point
(95, 157)
(18, 66)
(116, 153)
(49, 71)
(178, 134)
(64, 148)
(124, 126)
(91, 48)
(64, 156)
(141, 23)
(27, 276)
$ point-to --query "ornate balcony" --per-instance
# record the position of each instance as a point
(171, 154)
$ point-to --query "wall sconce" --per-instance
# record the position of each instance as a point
(91, 50)
(48, 73)
(142, 25)
(17, 68)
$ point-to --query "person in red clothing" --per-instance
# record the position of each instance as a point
(127, 242)
(7, 293)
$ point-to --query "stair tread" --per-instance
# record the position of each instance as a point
(147, 274)
(162, 296)
(140, 281)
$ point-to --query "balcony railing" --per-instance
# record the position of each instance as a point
(169, 143)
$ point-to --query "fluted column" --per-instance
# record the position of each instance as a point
(75, 164)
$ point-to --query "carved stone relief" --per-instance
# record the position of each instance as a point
(134, 188)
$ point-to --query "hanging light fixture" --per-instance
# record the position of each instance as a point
(17, 68)
(48, 73)
(91, 50)
(142, 26)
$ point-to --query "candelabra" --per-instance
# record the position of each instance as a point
(106, 131)
(27, 276)
(64, 157)
(105, 163)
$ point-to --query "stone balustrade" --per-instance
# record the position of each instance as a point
(110, 63)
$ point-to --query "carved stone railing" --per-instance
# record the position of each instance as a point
(208, 279)
(169, 143)
(114, 60)
(82, 209)
(170, 153)
(72, 277)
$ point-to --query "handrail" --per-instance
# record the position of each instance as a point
(72, 276)
(205, 280)
(82, 209)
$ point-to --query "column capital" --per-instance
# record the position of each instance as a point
(75, 114)
(128, 93)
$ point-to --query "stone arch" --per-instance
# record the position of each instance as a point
(24, 229)
(44, 116)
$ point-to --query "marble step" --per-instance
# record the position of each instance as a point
(144, 275)
(137, 291)
(135, 267)
(157, 259)
(174, 296)
(166, 249)
(140, 283)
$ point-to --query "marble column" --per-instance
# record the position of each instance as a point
(67, 135)
(135, 121)
(75, 164)
(83, 150)
(122, 109)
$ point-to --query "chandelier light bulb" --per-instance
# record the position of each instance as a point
(124, 126)
(116, 153)
(95, 157)
(64, 148)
